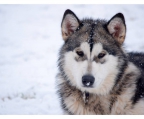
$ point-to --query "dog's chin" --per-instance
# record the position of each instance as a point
(94, 90)
(89, 89)
(97, 88)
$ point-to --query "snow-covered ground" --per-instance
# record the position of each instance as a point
(30, 39)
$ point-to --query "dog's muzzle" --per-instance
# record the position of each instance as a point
(88, 80)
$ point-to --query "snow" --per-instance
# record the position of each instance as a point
(30, 38)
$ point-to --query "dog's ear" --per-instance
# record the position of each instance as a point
(117, 28)
(69, 24)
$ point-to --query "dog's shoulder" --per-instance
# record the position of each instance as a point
(137, 59)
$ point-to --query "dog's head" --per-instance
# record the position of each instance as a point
(92, 58)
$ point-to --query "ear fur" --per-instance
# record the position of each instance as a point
(117, 28)
(69, 24)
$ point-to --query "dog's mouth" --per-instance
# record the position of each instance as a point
(87, 86)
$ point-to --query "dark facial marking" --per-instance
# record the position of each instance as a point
(80, 56)
(101, 55)
(96, 59)
(91, 37)
(80, 53)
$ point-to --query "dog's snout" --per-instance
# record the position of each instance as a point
(88, 80)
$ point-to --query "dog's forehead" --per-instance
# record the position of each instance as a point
(97, 48)
(94, 33)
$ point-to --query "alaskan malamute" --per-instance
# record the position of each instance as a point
(96, 75)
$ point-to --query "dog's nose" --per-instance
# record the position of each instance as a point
(88, 80)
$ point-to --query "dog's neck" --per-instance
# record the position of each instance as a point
(86, 97)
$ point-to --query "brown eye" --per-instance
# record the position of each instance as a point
(101, 55)
(80, 53)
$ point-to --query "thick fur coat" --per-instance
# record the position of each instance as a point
(96, 75)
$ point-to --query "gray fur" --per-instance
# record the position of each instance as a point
(124, 96)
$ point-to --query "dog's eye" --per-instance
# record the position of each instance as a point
(80, 53)
(101, 55)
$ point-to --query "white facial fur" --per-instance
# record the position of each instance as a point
(104, 73)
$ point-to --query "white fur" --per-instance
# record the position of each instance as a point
(104, 73)
(75, 70)
(97, 48)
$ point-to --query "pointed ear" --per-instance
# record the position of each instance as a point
(117, 28)
(69, 24)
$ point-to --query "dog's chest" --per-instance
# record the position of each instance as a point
(79, 104)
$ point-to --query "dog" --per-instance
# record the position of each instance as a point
(96, 75)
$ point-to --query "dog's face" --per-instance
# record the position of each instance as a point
(91, 57)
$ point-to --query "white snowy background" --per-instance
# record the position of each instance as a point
(30, 38)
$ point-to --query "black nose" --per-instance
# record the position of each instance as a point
(88, 80)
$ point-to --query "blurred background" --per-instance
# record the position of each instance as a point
(30, 38)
